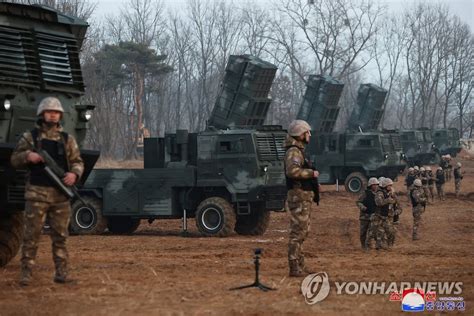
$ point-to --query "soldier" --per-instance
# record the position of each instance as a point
(385, 212)
(431, 183)
(409, 180)
(299, 176)
(424, 181)
(457, 178)
(440, 180)
(449, 168)
(418, 201)
(43, 199)
(443, 163)
(366, 204)
(416, 172)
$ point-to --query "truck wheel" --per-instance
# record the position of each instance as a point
(122, 224)
(215, 217)
(11, 235)
(255, 223)
(355, 182)
(87, 219)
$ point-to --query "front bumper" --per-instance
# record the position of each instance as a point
(272, 196)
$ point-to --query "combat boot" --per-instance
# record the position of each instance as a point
(61, 273)
(295, 270)
(25, 276)
(303, 267)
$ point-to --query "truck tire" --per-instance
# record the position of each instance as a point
(122, 224)
(11, 235)
(215, 217)
(255, 223)
(355, 182)
(87, 220)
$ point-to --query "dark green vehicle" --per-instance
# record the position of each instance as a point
(350, 157)
(446, 141)
(39, 57)
(228, 177)
(418, 146)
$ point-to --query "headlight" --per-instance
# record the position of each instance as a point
(86, 115)
(433, 146)
(7, 105)
(385, 156)
(265, 169)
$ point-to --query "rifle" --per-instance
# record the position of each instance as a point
(315, 185)
(56, 173)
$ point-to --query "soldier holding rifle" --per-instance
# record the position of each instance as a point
(46, 196)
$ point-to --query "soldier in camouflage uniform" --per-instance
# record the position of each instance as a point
(440, 180)
(43, 199)
(379, 222)
(299, 176)
(394, 212)
(424, 181)
(418, 201)
(366, 205)
(416, 172)
(382, 226)
(431, 183)
(444, 164)
(457, 178)
(409, 180)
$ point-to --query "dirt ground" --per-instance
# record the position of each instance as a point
(156, 271)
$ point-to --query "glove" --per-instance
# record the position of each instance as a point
(390, 200)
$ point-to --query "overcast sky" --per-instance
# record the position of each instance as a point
(463, 8)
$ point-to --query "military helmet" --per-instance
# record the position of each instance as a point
(373, 181)
(428, 168)
(381, 180)
(298, 127)
(386, 182)
(459, 164)
(417, 183)
(411, 169)
(440, 168)
(448, 156)
(49, 104)
(416, 168)
(422, 169)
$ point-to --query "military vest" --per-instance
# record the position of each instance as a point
(369, 201)
(57, 151)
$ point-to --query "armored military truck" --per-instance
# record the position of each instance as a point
(39, 57)
(446, 141)
(349, 157)
(228, 177)
(418, 146)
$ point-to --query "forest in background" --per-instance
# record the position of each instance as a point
(160, 67)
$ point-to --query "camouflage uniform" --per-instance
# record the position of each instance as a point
(394, 212)
(380, 224)
(418, 200)
(366, 205)
(444, 164)
(45, 201)
(409, 181)
(424, 181)
(457, 180)
(300, 200)
(431, 185)
(440, 180)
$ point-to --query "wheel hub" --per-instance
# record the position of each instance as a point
(85, 217)
(355, 185)
(211, 218)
